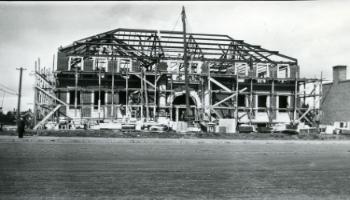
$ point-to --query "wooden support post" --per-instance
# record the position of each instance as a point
(236, 109)
(272, 100)
(173, 94)
(320, 92)
(76, 93)
(314, 90)
(304, 98)
(146, 97)
(127, 94)
(295, 98)
(177, 114)
(251, 102)
(141, 96)
(209, 93)
(99, 95)
(112, 98)
(202, 97)
(155, 95)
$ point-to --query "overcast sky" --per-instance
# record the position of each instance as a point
(317, 33)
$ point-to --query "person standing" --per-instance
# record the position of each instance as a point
(21, 127)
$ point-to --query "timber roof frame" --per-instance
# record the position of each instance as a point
(150, 46)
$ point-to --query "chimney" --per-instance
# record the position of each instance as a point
(339, 73)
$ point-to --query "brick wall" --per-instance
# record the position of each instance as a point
(336, 102)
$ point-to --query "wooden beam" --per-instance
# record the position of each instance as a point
(47, 117)
(220, 85)
(146, 81)
(216, 112)
(303, 116)
(229, 97)
(50, 95)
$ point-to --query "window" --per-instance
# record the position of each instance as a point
(72, 97)
(196, 66)
(96, 98)
(242, 69)
(283, 71)
(262, 71)
(283, 103)
(125, 65)
(101, 63)
(75, 63)
(262, 101)
(241, 100)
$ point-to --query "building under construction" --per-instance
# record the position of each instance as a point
(130, 76)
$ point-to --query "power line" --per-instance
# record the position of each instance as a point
(176, 22)
(1, 89)
(8, 88)
(13, 91)
(3, 98)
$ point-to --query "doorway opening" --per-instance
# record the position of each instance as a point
(179, 108)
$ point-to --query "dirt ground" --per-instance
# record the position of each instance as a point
(173, 134)
(254, 170)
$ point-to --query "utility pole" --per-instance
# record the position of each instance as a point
(35, 93)
(19, 128)
(188, 111)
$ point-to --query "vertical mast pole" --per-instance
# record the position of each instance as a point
(19, 93)
(19, 100)
(35, 93)
(186, 65)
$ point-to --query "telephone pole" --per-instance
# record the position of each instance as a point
(188, 109)
(19, 128)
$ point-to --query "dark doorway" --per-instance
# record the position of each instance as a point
(72, 97)
(241, 100)
(181, 100)
(283, 103)
(180, 103)
(262, 103)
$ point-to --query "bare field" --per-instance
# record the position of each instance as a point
(35, 170)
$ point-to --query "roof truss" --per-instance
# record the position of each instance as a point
(149, 46)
